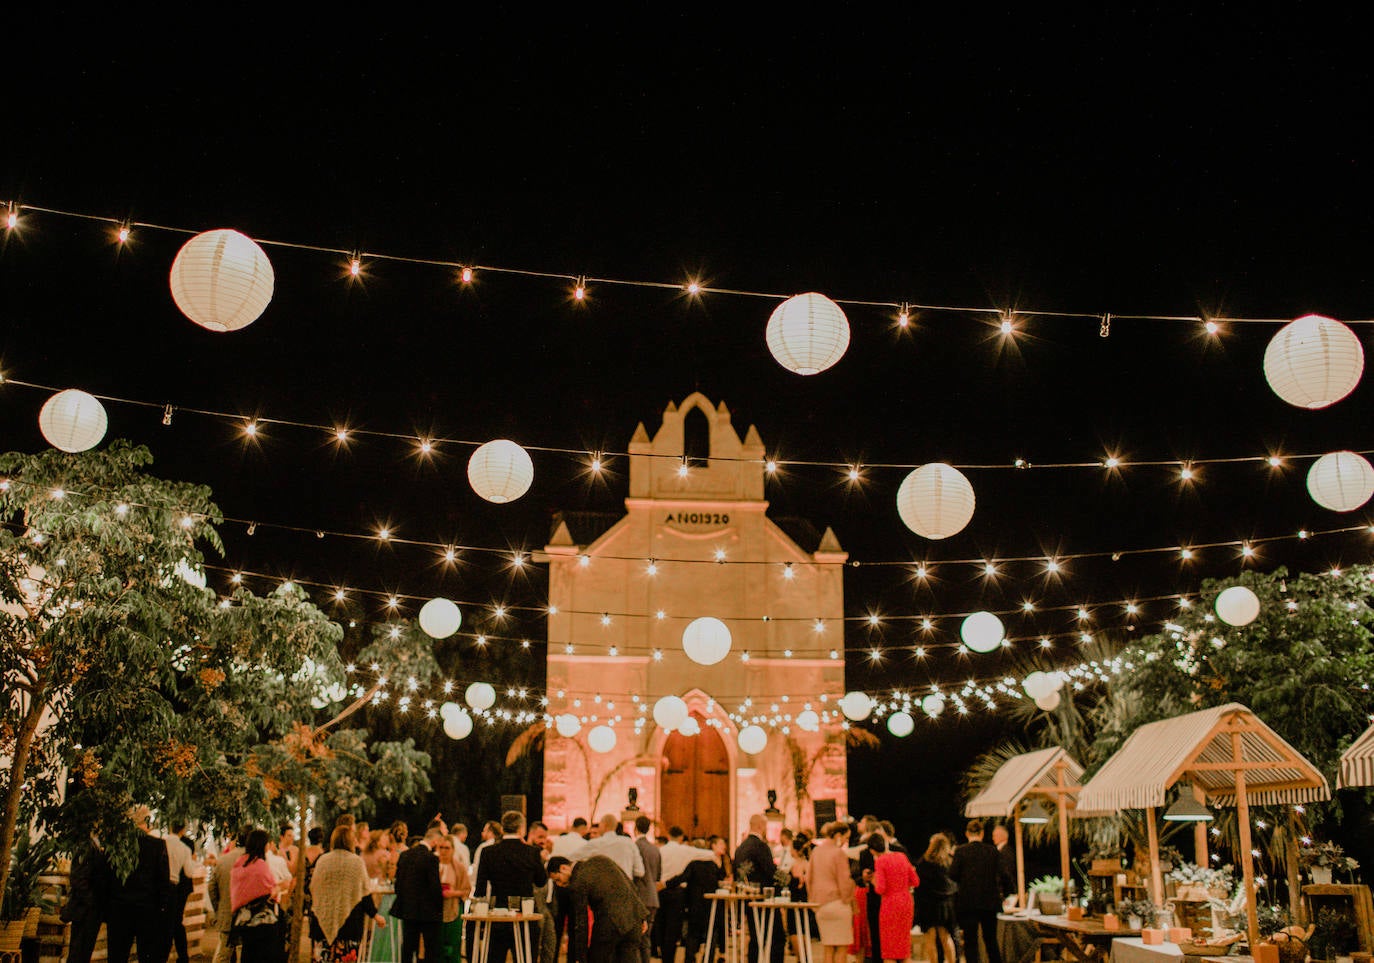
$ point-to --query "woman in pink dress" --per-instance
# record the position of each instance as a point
(893, 880)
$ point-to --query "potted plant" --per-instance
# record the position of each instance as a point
(1139, 913)
(1049, 894)
(1196, 882)
(1324, 858)
(1333, 934)
(23, 900)
(1105, 856)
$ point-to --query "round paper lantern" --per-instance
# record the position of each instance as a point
(500, 471)
(222, 280)
(706, 640)
(1341, 481)
(1238, 605)
(807, 333)
(458, 725)
(73, 420)
(567, 725)
(982, 632)
(450, 709)
(1038, 684)
(690, 727)
(933, 704)
(900, 724)
(752, 740)
(808, 721)
(480, 695)
(856, 705)
(670, 712)
(440, 618)
(1048, 702)
(935, 500)
(601, 739)
(1313, 362)
(191, 576)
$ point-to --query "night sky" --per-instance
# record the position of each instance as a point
(1116, 161)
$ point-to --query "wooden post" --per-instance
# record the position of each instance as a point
(1200, 828)
(1020, 863)
(1247, 862)
(1061, 801)
(1156, 874)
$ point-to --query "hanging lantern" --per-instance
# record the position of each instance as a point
(982, 632)
(222, 280)
(670, 712)
(706, 640)
(935, 501)
(481, 696)
(601, 739)
(449, 709)
(856, 705)
(807, 333)
(191, 576)
(1238, 605)
(690, 727)
(458, 725)
(752, 740)
(73, 420)
(900, 724)
(1038, 684)
(808, 720)
(1341, 481)
(1313, 362)
(1048, 702)
(440, 618)
(933, 704)
(567, 725)
(500, 471)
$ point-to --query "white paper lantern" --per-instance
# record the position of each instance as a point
(480, 695)
(449, 709)
(458, 725)
(222, 280)
(440, 618)
(933, 704)
(670, 712)
(1313, 362)
(1238, 605)
(982, 632)
(808, 720)
(706, 640)
(752, 740)
(856, 705)
(1038, 684)
(567, 725)
(1048, 702)
(601, 739)
(935, 500)
(191, 576)
(690, 727)
(500, 471)
(73, 420)
(900, 724)
(808, 333)
(1341, 481)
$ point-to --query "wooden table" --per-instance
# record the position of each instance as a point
(732, 919)
(767, 913)
(481, 933)
(1086, 940)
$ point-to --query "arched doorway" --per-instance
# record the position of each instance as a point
(696, 782)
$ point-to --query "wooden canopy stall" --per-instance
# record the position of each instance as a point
(1229, 755)
(1048, 772)
(1357, 762)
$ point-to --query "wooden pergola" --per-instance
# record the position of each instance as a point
(1052, 773)
(1231, 757)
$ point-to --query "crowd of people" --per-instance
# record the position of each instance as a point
(616, 896)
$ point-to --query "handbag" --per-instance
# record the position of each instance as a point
(263, 911)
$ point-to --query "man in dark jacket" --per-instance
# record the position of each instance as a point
(976, 868)
(757, 856)
(1007, 855)
(508, 868)
(138, 906)
(420, 899)
(88, 904)
(646, 886)
(619, 918)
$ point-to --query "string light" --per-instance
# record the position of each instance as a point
(466, 275)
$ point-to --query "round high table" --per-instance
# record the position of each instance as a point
(732, 919)
(481, 933)
(768, 913)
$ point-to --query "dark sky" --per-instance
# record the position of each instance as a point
(1119, 160)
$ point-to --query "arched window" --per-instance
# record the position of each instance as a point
(696, 437)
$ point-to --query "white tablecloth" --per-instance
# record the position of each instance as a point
(1130, 949)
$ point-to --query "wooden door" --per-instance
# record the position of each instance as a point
(696, 782)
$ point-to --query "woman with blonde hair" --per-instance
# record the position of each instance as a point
(379, 855)
(935, 900)
(457, 886)
(830, 885)
(340, 901)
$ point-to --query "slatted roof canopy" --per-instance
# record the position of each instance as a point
(1198, 746)
(1357, 762)
(1018, 777)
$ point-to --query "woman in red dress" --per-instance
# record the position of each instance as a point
(893, 880)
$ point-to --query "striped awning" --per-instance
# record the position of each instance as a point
(1357, 762)
(1198, 748)
(1017, 777)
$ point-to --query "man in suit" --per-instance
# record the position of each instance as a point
(508, 868)
(977, 871)
(217, 892)
(139, 905)
(646, 886)
(619, 918)
(420, 898)
(88, 901)
(1006, 857)
(757, 856)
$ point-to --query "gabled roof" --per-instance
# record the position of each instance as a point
(1357, 762)
(1017, 777)
(584, 527)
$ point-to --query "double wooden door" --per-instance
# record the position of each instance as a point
(695, 791)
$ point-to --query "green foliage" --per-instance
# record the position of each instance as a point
(29, 859)
(1052, 885)
(1334, 934)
